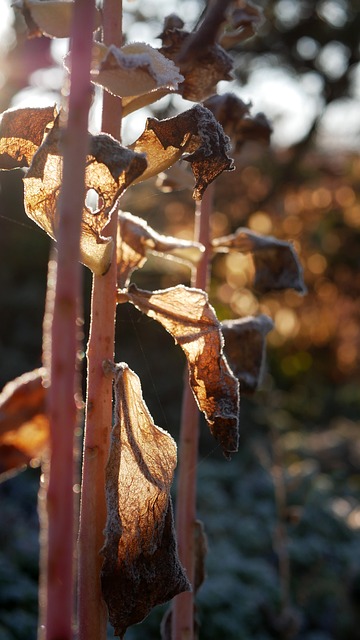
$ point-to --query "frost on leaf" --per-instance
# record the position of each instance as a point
(135, 239)
(202, 66)
(236, 120)
(245, 348)
(187, 315)
(141, 568)
(51, 18)
(275, 261)
(134, 70)
(21, 134)
(242, 22)
(110, 168)
(24, 426)
(194, 132)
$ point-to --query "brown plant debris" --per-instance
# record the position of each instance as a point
(141, 567)
(245, 349)
(194, 132)
(21, 134)
(242, 22)
(136, 239)
(275, 261)
(24, 425)
(187, 315)
(51, 18)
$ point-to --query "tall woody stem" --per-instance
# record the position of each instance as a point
(92, 610)
(183, 606)
(56, 499)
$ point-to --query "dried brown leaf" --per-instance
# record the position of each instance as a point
(110, 169)
(24, 425)
(245, 349)
(136, 239)
(195, 132)
(242, 21)
(21, 134)
(51, 18)
(187, 315)
(141, 568)
(276, 263)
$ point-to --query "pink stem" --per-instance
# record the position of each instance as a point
(183, 606)
(58, 556)
(92, 609)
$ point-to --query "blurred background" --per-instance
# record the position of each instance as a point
(283, 517)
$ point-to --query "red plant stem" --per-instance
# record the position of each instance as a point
(92, 609)
(183, 606)
(56, 600)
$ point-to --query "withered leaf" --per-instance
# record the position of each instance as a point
(136, 239)
(236, 120)
(141, 567)
(24, 425)
(21, 134)
(245, 349)
(110, 169)
(51, 18)
(187, 315)
(276, 263)
(242, 22)
(194, 132)
(134, 70)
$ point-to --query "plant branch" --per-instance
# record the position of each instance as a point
(57, 496)
(92, 609)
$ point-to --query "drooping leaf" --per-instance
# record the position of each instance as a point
(275, 261)
(110, 169)
(141, 567)
(134, 70)
(236, 120)
(51, 18)
(242, 22)
(136, 239)
(21, 134)
(245, 348)
(24, 425)
(194, 132)
(187, 315)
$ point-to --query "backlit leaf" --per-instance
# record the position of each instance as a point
(51, 18)
(21, 134)
(136, 238)
(187, 315)
(194, 132)
(242, 22)
(245, 348)
(110, 169)
(275, 261)
(141, 567)
(24, 426)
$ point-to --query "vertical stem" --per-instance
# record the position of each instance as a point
(92, 609)
(183, 606)
(57, 497)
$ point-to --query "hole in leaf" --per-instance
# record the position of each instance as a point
(93, 202)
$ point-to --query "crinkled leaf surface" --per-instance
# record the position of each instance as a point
(236, 120)
(51, 18)
(276, 263)
(110, 169)
(187, 315)
(136, 238)
(24, 426)
(245, 348)
(135, 69)
(195, 132)
(141, 567)
(21, 134)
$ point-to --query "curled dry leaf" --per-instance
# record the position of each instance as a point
(275, 261)
(187, 315)
(21, 134)
(236, 120)
(110, 169)
(245, 349)
(24, 426)
(242, 22)
(51, 18)
(136, 239)
(141, 567)
(194, 132)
